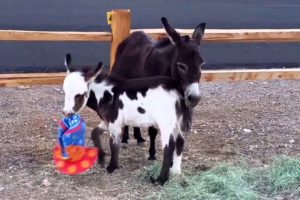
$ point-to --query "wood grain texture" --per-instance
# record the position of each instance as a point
(8, 80)
(21, 35)
(120, 28)
(250, 75)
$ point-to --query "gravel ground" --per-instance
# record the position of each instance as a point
(249, 122)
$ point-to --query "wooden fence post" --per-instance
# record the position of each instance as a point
(120, 28)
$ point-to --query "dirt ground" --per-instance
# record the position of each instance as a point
(235, 122)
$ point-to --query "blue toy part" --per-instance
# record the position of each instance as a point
(71, 131)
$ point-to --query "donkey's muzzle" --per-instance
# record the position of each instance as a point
(66, 113)
(193, 100)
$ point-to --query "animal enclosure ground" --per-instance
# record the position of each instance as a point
(249, 122)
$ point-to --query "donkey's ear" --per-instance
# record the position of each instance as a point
(199, 32)
(92, 73)
(175, 37)
(68, 60)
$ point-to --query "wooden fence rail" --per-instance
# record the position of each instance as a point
(120, 24)
(211, 35)
(21, 35)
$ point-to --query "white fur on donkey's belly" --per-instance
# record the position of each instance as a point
(159, 106)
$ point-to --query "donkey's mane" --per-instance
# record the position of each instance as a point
(165, 41)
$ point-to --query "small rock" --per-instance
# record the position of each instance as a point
(251, 83)
(292, 141)
(279, 198)
(1, 188)
(46, 182)
(251, 147)
(195, 131)
(246, 130)
(203, 167)
(23, 87)
(11, 168)
(265, 82)
(261, 133)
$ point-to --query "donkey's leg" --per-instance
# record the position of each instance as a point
(114, 143)
(152, 134)
(168, 144)
(95, 136)
(125, 135)
(179, 143)
(137, 135)
(96, 133)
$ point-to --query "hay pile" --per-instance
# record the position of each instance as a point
(281, 178)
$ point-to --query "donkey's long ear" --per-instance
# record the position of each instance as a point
(175, 37)
(68, 60)
(93, 72)
(199, 32)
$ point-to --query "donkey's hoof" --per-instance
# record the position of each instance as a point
(153, 180)
(161, 181)
(111, 169)
(101, 161)
(124, 141)
(152, 158)
(140, 141)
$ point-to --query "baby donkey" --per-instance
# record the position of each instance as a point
(158, 102)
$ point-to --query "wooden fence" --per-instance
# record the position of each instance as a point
(120, 29)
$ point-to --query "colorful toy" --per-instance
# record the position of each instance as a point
(69, 154)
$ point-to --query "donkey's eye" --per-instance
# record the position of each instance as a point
(79, 96)
(182, 66)
(79, 100)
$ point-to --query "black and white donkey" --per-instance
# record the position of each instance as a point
(159, 102)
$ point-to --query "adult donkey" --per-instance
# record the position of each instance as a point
(139, 56)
